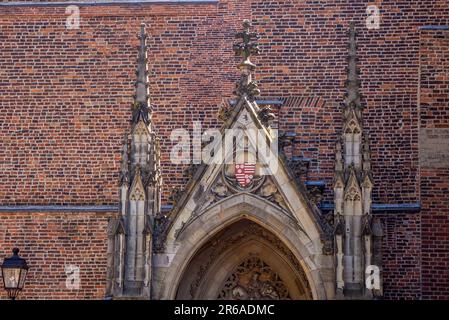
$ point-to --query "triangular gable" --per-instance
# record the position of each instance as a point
(208, 185)
(137, 190)
(140, 128)
(352, 123)
(352, 189)
(277, 186)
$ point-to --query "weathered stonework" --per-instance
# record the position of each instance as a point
(66, 106)
(353, 184)
(134, 236)
(217, 200)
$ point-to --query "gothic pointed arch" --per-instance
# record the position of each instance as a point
(244, 261)
(203, 233)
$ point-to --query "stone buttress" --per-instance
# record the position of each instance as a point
(353, 184)
(131, 233)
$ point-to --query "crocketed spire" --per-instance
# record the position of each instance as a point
(142, 107)
(353, 82)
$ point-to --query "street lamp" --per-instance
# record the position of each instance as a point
(14, 272)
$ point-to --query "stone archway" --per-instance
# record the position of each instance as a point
(244, 261)
(186, 240)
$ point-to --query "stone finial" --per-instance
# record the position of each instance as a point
(245, 48)
(142, 107)
(266, 115)
(352, 83)
(224, 113)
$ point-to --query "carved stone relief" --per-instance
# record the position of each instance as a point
(226, 186)
(266, 115)
(161, 223)
(270, 192)
(253, 279)
(230, 178)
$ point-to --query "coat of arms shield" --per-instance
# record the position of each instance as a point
(244, 173)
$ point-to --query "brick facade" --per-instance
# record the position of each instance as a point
(66, 97)
(52, 241)
(434, 112)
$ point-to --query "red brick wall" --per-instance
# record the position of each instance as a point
(66, 96)
(67, 93)
(401, 259)
(434, 109)
(51, 241)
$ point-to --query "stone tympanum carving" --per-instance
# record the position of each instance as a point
(253, 279)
